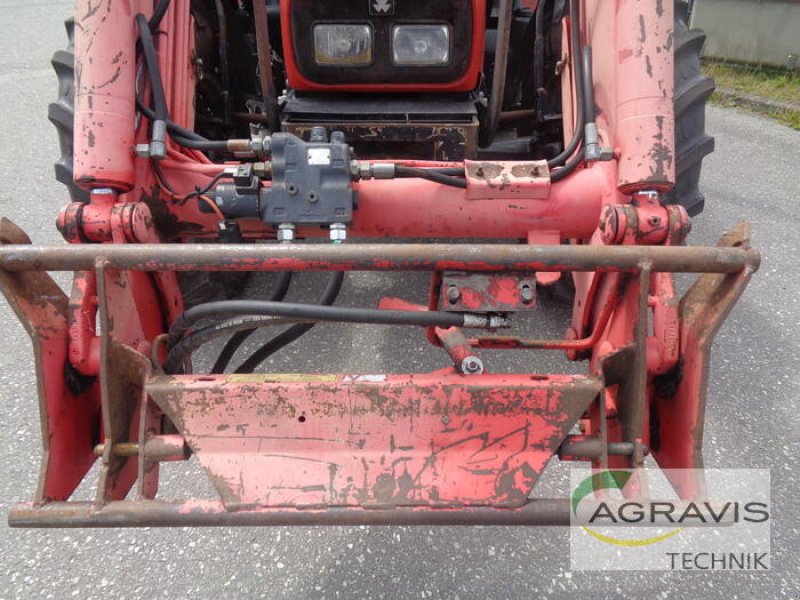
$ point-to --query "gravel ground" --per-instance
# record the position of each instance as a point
(752, 413)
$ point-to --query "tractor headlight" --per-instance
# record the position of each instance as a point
(421, 45)
(343, 45)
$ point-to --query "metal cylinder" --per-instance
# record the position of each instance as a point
(105, 73)
(645, 124)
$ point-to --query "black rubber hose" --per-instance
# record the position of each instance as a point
(431, 175)
(172, 126)
(295, 331)
(239, 338)
(158, 15)
(576, 55)
(204, 145)
(572, 164)
(588, 85)
(158, 125)
(311, 313)
(182, 351)
(158, 115)
(452, 171)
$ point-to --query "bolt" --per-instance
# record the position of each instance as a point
(606, 153)
(654, 221)
(453, 294)
(285, 232)
(338, 232)
(318, 135)
(472, 365)
(609, 223)
(647, 196)
(526, 293)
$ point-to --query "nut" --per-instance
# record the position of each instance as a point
(472, 365)
(453, 294)
(526, 293)
(286, 232)
(338, 232)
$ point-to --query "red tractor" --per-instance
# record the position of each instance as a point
(504, 147)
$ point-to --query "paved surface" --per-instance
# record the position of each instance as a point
(751, 422)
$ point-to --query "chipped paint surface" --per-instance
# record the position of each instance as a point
(644, 121)
(401, 440)
(104, 103)
(508, 180)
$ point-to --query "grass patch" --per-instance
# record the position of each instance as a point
(771, 84)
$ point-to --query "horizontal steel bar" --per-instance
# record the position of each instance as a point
(376, 257)
(212, 513)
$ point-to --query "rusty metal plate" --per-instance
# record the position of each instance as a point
(479, 292)
(379, 441)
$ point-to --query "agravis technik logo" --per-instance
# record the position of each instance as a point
(609, 480)
(642, 524)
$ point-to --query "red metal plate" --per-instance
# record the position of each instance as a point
(439, 439)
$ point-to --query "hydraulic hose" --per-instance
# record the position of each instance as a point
(441, 176)
(576, 54)
(588, 85)
(569, 167)
(158, 15)
(172, 126)
(239, 338)
(158, 126)
(591, 143)
(294, 332)
(180, 352)
(314, 313)
(159, 115)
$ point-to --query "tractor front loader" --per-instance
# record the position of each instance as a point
(503, 147)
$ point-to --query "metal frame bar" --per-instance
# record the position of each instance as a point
(210, 513)
(734, 261)
(377, 257)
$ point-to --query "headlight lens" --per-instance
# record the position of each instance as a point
(421, 45)
(343, 45)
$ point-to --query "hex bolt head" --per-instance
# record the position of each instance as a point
(338, 232)
(472, 365)
(285, 232)
(453, 294)
(526, 293)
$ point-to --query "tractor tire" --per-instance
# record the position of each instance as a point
(62, 113)
(692, 91)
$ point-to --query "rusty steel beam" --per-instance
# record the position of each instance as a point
(377, 257)
(209, 513)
